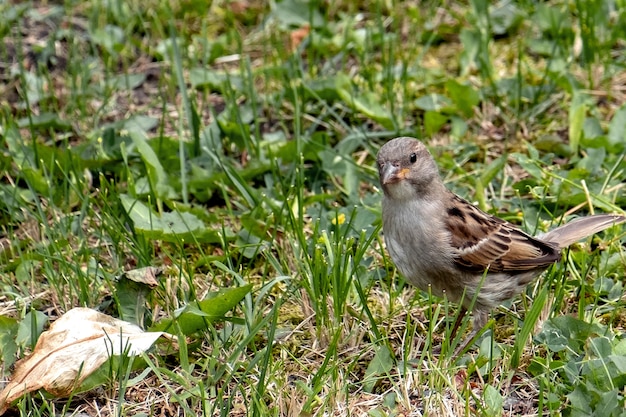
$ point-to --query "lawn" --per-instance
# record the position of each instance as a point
(208, 169)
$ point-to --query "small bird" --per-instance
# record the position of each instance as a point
(444, 244)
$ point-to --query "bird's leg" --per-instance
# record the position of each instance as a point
(479, 322)
(458, 321)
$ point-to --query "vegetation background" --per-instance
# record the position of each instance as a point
(232, 145)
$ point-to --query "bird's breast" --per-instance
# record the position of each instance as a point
(419, 243)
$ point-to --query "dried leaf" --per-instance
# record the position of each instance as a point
(147, 275)
(75, 346)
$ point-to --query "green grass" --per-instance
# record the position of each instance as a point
(215, 141)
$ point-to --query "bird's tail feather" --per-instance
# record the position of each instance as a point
(580, 228)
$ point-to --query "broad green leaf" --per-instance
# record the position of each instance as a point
(325, 88)
(295, 13)
(156, 174)
(528, 164)
(610, 404)
(196, 317)
(110, 38)
(471, 40)
(554, 20)
(465, 97)
(35, 88)
(336, 163)
(580, 401)
(8, 346)
(171, 226)
(553, 144)
(140, 122)
(493, 401)
(566, 331)
(367, 103)
(36, 179)
(504, 17)
(495, 167)
(380, 365)
(20, 152)
(215, 81)
(620, 349)
(433, 122)
(30, 328)
(592, 128)
(619, 361)
(458, 127)
(126, 81)
(617, 129)
(591, 162)
(601, 347)
(44, 121)
(434, 102)
(131, 290)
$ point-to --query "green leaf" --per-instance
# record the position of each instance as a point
(495, 167)
(336, 163)
(170, 226)
(617, 129)
(493, 401)
(381, 364)
(295, 13)
(580, 400)
(434, 102)
(8, 346)
(486, 177)
(44, 121)
(367, 103)
(619, 361)
(126, 81)
(215, 81)
(591, 162)
(611, 403)
(504, 17)
(471, 40)
(465, 97)
(433, 122)
(196, 317)
(324, 88)
(592, 128)
(110, 38)
(131, 290)
(20, 152)
(156, 174)
(30, 328)
(529, 165)
(458, 127)
(139, 122)
(601, 347)
(566, 331)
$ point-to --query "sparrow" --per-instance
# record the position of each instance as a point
(443, 244)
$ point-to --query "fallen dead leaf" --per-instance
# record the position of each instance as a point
(75, 346)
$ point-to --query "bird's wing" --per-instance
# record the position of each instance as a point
(485, 242)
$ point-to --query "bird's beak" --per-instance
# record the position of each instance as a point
(390, 174)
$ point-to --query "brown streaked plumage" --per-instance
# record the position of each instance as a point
(442, 243)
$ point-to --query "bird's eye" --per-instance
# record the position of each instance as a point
(413, 157)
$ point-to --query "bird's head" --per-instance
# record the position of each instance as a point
(406, 168)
